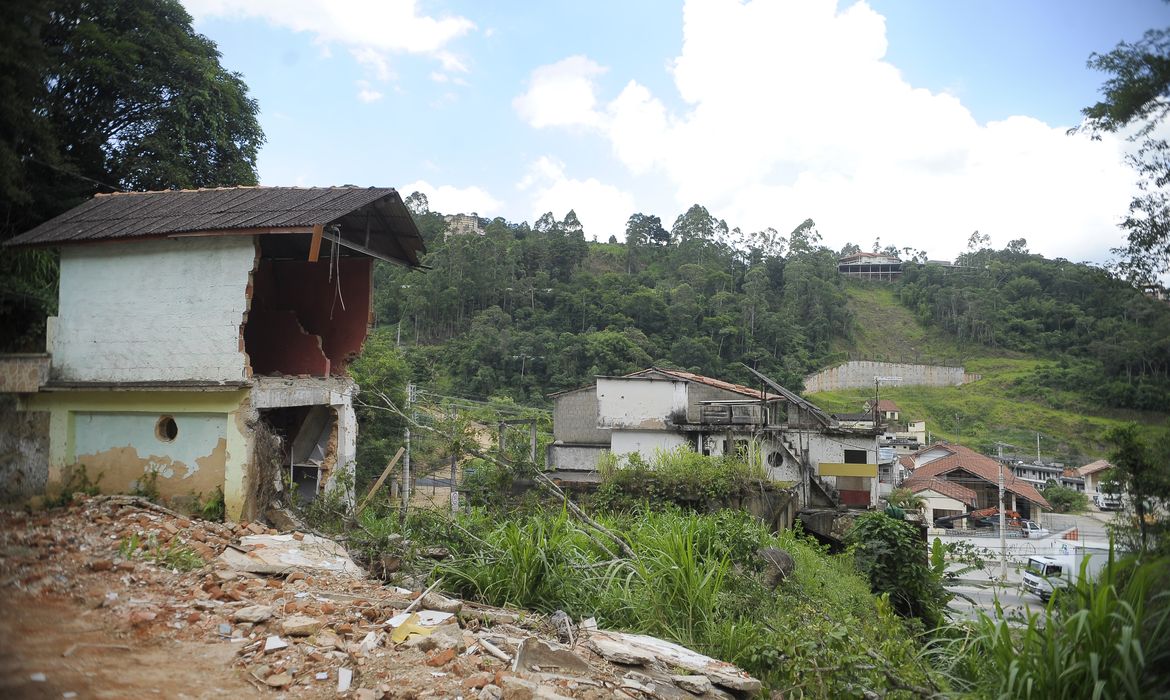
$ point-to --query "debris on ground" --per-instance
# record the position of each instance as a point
(302, 620)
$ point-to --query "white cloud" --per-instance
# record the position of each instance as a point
(561, 94)
(602, 209)
(449, 199)
(366, 93)
(372, 30)
(791, 111)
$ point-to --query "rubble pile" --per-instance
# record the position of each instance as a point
(306, 622)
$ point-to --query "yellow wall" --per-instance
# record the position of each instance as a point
(839, 469)
(125, 452)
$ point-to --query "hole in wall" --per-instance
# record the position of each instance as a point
(166, 429)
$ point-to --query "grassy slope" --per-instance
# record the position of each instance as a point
(985, 411)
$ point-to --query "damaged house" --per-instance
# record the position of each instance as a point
(202, 338)
(660, 409)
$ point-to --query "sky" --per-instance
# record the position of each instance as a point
(909, 122)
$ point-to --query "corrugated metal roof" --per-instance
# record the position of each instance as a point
(128, 215)
(709, 381)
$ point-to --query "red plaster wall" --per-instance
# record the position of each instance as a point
(854, 498)
(306, 290)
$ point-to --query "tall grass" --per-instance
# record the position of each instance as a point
(694, 580)
(1104, 638)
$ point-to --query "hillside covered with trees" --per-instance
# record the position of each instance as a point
(523, 311)
(528, 310)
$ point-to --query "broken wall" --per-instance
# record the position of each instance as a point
(195, 441)
(308, 318)
(155, 310)
(640, 403)
(24, 451)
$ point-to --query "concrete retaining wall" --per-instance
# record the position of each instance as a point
(860, 374)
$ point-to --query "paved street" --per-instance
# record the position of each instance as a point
(1015, 602)
(982, 586)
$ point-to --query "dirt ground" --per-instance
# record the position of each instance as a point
(115, 597)
(78, 652)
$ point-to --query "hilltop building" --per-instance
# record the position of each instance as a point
(871, 266)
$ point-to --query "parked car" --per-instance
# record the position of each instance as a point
(1031, 529)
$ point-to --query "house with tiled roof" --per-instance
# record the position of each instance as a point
(663, 409)
(1094, 474)
(942, 498)
(202, 337)
(979, 473)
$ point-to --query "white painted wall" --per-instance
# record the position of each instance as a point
(575, 457)
(639, 402)
(936, 501)
(645, 442)
(157, 310)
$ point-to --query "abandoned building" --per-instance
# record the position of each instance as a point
(661, 409)
(202, 338)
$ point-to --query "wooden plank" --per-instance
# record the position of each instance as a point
(315, 246)
(378, 484)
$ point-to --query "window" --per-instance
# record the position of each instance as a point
(855, 457)
(166, 430)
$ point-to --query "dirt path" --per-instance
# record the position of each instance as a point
(36, 633)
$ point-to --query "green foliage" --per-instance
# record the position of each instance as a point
(147, 486)
(99, 97)
(695, 580)
(905, 499)
(1105, 638)
(1141, 469)
(1064, 499)
(679, 476)
(890, 554)
(381, 369)
(213, 508)
(1135, 99)
(175, 555)
(525, 311)
(1108, 341)
(75, 479)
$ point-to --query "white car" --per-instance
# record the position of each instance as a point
(1032, 530)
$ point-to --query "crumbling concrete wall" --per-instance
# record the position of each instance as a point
(24, 452)
(860, 374)
(23, 373)
(161, 310)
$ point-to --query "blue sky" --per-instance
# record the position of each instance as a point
(913, 121)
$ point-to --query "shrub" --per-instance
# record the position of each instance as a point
(890, 555)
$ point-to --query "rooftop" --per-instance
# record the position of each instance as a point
(372, 220)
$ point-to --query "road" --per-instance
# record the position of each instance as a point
(982, 586)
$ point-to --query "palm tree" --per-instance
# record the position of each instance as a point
(906, 500)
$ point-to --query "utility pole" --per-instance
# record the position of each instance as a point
(1037, 447)
(406, 459)
(1002, 517)
(454, 458)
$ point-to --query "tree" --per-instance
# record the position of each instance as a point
(106, 96)
(1137, 94)
(417, 203)
(1142, 470)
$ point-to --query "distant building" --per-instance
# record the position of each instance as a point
(460, 224)
(976, 473)
(663, 409)
(871, 266)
